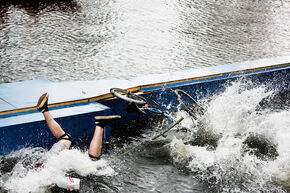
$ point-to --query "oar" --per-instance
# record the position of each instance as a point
(170, 127)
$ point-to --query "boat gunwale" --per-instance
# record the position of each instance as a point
(135, 89)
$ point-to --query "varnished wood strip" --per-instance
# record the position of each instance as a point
(137, 88)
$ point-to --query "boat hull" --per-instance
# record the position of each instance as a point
(74, 104)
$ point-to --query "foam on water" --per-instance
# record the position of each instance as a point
(227, 166)
(231, 167)
(24, 177)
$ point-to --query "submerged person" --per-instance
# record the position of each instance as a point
(65, 139)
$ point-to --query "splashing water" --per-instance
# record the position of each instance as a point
(25, 177)
(231, 165)
(214, 151)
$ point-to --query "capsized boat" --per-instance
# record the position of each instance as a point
(75, 103)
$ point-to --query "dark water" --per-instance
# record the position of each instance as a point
(240, 144)
(88, 40)
(93, 39)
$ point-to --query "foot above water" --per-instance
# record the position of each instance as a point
(42, 103)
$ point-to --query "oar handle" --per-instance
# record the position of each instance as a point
(171, 126)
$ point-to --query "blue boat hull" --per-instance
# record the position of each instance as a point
(22, 126)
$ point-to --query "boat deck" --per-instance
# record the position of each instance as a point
(25, 94)
(74, 103)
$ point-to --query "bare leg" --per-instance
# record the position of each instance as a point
(55, 128)
(96, 143)
(95, 150)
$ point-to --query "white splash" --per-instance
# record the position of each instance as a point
(23, 179)
(228, 168)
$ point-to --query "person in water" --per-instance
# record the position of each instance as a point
(65, 139)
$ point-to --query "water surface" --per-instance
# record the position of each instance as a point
(89, 40)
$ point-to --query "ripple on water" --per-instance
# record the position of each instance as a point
(88, 40)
